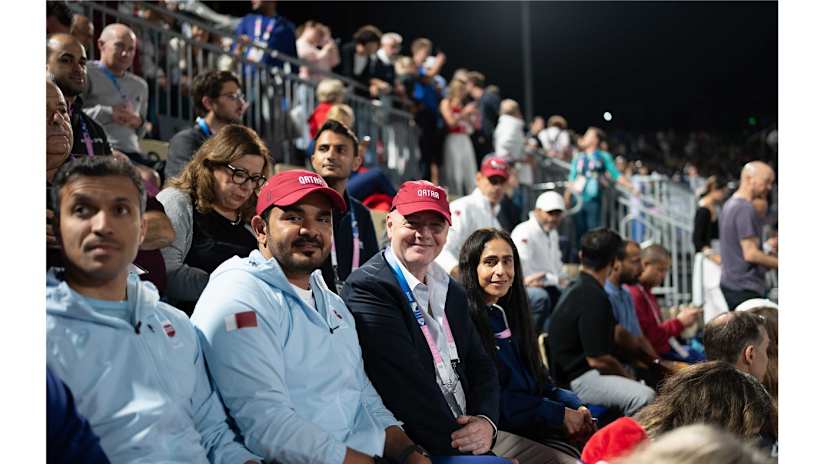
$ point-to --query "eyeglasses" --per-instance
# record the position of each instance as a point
(240, 176)
(237, 96)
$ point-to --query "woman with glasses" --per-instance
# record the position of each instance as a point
(210, 204)
(530, 405)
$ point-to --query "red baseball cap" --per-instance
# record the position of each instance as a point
(415, 196)
(495, 166)
(289, 187)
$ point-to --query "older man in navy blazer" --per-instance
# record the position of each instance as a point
(420, 348)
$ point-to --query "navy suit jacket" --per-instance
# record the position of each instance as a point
(400, 365)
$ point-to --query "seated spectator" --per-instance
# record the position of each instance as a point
(537, 242)
(218, 102)
(581, 333)
(115, 98)
(770, 315)
(358, 62)
(477, 210)
(712, 393)
(109, 336)
(282, 349)
(329, 92)
(83, 30)
(420, 347)
(458, 154)
(741, 339)
(531, 405)
(661, 333)
(697, 444)
(335, 158)
(316, 45)
(69, 438)
(210, 204)
(264, 29)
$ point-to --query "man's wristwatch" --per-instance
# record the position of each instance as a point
(404, 456)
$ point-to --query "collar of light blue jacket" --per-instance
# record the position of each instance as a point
(269, 271)
(63, 301)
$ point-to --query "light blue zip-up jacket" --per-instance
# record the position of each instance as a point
(292, 377)
(143, 388)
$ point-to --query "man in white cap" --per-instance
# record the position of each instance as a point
(537, 243)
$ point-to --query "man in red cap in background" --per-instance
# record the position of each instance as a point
(420, 347)
(282, 348)
(477, 210)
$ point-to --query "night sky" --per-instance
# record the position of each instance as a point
(654, 66)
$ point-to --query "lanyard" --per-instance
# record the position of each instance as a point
(356, 244)
(87, 139)
(447, 377)
(258, 24)
(108, 72)
(506, 333)
(201, 123)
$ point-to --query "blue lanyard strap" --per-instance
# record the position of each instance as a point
(108, 72)
(201, 123)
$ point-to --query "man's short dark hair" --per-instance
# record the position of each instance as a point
(367, 34)
(208, 84)
(338, 128)
(621, 254)
(95, 166)
(726, 336)
(599, 248)
(61, 11)
(477, 79)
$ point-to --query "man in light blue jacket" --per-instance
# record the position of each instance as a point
(282, 348)
(133, 363)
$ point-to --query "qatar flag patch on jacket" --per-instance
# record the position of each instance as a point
(242, 320)
(168, 328)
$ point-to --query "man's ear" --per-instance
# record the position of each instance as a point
(259, 227)
(206, 101)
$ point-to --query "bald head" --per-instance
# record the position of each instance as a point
(83, 30)
(756, 179)
(117, 47)
(66, 63)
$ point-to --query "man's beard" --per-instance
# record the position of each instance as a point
(302, 265)
(628, 279)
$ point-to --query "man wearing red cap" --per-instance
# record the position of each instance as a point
(282, 348)
(477, 210)
(420, 347)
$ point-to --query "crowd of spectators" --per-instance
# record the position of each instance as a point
(215, 309)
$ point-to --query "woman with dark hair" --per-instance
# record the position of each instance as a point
(210, 204)
(531, 406)
(706, 285)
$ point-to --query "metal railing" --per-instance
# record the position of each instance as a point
(662, 213)
(280, 102)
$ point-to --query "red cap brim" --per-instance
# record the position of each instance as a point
(419, 206)
(295, 196)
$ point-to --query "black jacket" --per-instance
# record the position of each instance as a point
(342, 224)
(399, 363)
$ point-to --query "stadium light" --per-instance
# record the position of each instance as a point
(607, 116)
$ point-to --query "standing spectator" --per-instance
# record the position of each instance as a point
(358, 62)
(264, 29)
(329, 92)
(587, 175)
(83, 30)
(555, 138)
(510, 142)
(489, 106)
(706, 274)
(479, 209)
(655, 261)
(354, 241)
(531, 405)
(420, 347)
(532, 140)
(388, 54)
(458, 156)
(537, 242)
(743, 264)
(115, 98)
(283, 351)
(218, 102)
(134, 362)
(210, 204)
(581, 341)
(426, 98)
(315, 45)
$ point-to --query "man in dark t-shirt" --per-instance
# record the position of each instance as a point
(581, 331)
(335, 157)
(743, 263)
